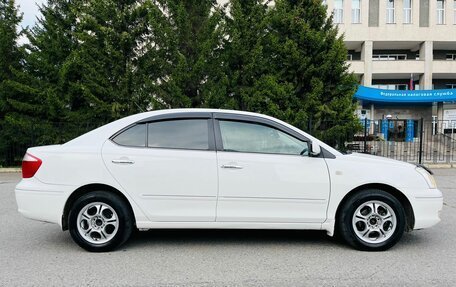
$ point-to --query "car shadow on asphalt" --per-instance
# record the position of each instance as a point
(223, 238)
(240, 237)
(230, 237)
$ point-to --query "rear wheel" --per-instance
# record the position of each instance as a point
(372, 220)
(100, 221)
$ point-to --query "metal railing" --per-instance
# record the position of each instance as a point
(414, 141)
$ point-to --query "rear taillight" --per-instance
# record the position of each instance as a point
(30, 165)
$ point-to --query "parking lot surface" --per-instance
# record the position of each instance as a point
(33, 253)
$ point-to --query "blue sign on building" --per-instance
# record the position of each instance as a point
(410, 131)
(401, 96)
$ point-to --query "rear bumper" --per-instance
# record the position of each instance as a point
(39, 201)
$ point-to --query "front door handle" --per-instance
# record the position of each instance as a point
(123, 161)
(231, 166)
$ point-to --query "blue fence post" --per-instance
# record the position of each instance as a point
(420, 159)
(410, 132)
(365, 135)
(385, 127)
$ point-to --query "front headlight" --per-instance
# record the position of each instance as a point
(427, 176)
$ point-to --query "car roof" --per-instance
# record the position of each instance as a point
(98, 136)
(202, 110)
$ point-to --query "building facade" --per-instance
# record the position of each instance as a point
(400, 45)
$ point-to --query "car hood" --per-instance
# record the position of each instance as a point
(368, 158)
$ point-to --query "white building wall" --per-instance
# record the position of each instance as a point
(399, 36)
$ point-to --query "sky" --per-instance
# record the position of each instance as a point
(30, 10)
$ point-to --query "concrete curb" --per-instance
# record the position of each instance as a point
(10, 169)
(440, 165)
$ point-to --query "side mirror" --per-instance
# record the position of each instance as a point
(315, 149)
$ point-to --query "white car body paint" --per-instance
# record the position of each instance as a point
(267, 192)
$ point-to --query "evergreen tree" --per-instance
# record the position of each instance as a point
(35, 103)
(287, 60)
(10, 60)
(309, 54)
(249, 82)
(185, 36)
(92, 61)
(11, 54)
(101, 76)
(9, 34)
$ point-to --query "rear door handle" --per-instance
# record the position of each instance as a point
(232, 166)
(123, 161)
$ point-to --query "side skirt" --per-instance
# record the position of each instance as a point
(142, 225)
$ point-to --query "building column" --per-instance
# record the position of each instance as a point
(399, 10)
(440, 111)
(366, 56)
(426, 55)
(347, 12)
(449, 12)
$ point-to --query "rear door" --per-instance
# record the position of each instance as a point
(168, 166)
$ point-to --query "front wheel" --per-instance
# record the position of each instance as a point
(100, 221)
(372, 220)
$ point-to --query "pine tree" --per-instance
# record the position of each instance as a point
(92, 61)
(10, 52)
(10, 60)
(309, 54)
(184, 38)
(249, 82)
(101, 76)
(35, 100)
(286, 60)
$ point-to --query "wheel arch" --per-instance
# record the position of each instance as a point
(89, 188)
(410, 216)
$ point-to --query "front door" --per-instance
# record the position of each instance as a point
(267, 175)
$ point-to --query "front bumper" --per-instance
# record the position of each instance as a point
(427, 212)
(39, 201)
(427, 206)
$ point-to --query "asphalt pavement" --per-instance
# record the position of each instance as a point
(33, 253)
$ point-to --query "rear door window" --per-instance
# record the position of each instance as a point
(179, 134)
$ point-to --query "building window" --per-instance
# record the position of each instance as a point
(390, 11)
(451, 57)
(440, 12)
(338, 11)
(408, 11)
(349, 57)
(389, 57)
(356, 11)
(392, 86)
(451, 86)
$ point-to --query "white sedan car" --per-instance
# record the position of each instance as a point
(203, 168)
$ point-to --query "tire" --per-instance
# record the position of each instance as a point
(100, 221)
(372, 220)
